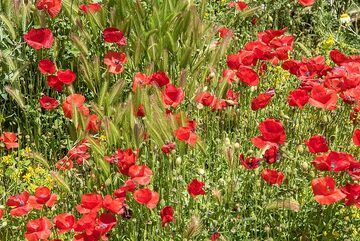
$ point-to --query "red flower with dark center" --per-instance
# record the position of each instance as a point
(356, 137)
(147, 197)
(317, 144)
(262, 100)
(115, 61)
(352, 192)
(195, 188)
(46, 66)
(306, 3)
(167, 215)
(271, 155)
(167, 148)
(323, 98)
(250, 162)
(43, 196)
(38, 229)
(54, 82)
(339, 161)
(114, 35)
(74, 101)
(90, 203)
(19, 204)
(248, 76)
(172, 96)
(354, 170)
(64, 222)
(298, 97)
(325, 191)
(115, 205)
(52, 7)
(10, 140)
(272, 176)
(39, 38)
(91, 7)
(140, 174)
(66, 76)
(273, 133)
(160, 78)
(48, 103)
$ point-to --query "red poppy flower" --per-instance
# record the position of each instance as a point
(325, 191)
(225, 32)
(206, 99)
(250, 162)
(46, 66)
(215, 236)
(272, 176)
(273, 133)
(317, 144)
(1, 213)
(64, 222)
(66, 76)
(115, 205)
(195, 188)
(140, 174)
(19, 204)
(48, 103)
(338, 57)
(54, 82)
(298, 97)
(354, 170)
(262, 100)
(64, 164)
(352, 192)
(248, 76)
(356, 137)
(306, 3)
(140, 79)
(339, 161)
(167, 148)
(52, 7)
(86, 223)
(160, 78)
(39, 38)
(10, 140)
(167, 215)
(115, 61)
(91, 7)
(43, 196)
(172, 96)
(38, 229)
(124, 159)
(186, 133)
(90, 203)
(106, 222)
(271, 155)
(147, 197)
(129, 186)
(74, 101)
(323, 98)
(321, 163)
(93, 123)
(240, 5)
(114, 35)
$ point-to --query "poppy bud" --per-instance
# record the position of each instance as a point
(178, 161)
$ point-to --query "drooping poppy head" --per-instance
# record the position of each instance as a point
(115, 61)
(93, 123)
(160, 79)
(38, 229)
(306, 3)
(115, 205)
(271, 155)
(140, 174)
(317, 144)
(250, 162)
(147, 197)
(46, 66)
(114, 35)
(262, 100)
(39, 38)
(10, 140)
(52, 7)
(167, 215)
(298, 97)
(325, 191)
(48, 103)
(91, 7)
(172, 96)
(64, 222)
(272, 176)
(195, 188)
(272, 133)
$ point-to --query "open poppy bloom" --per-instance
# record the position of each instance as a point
(39, 38)
(317, 144)
(186, 133)
(298, 97)
(160, 79)
(115, 205)
(52, 7)
(250, 162)
(90, 203)
(273, 133)
(129, 186)
(262, 100)
(115, 61)
(195, 188)
(147, 197)
(91, 7)
(323, 98)
(206, 99)
(215, 236)
(66, 77)
(48, 103)
(74, 101)
(124, 159)
(85, 224)
(167, 215)
(106, 222)
(19, 204)
(46, 66)
(140, 174)
(114, 35)
(140, 79)
(42, 196)
(248, 76)
(272, 176)
(10, 140)
(38, 229)
(64, 222)
(172, 96)
(325, 190)
(93, 123)
(54, 82)
(356, 137)
(306, 3)
(352, 192)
